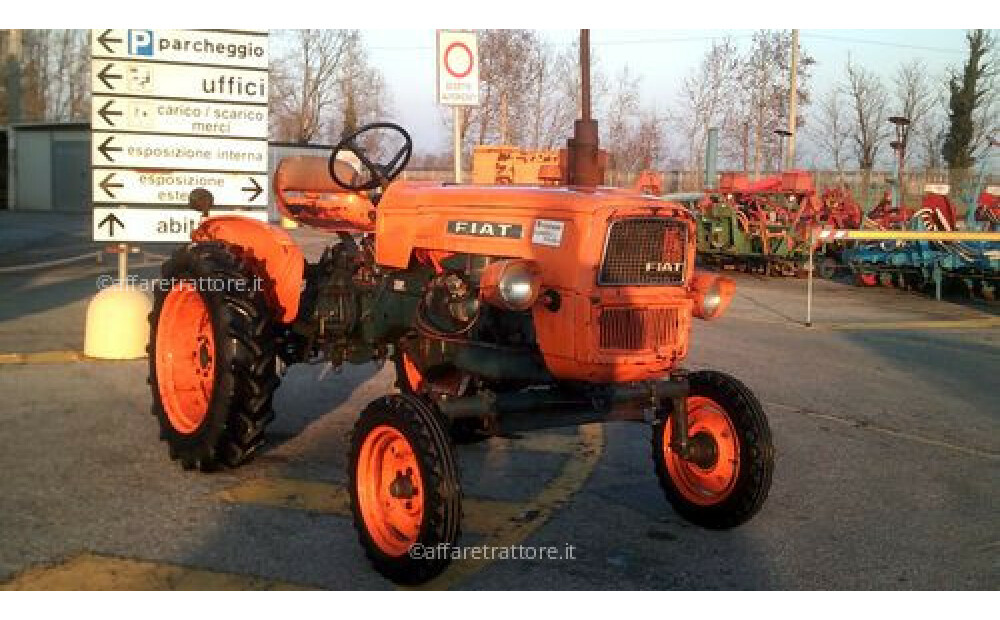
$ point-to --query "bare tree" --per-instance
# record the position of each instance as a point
(832, 129)
(509, 74)
(647, 146)
(529, 91)
(557, 94)
(705, 97)
(868, 99)
(55, 75)
(304, 89)
(759, 99)
(364, 98)
(634, 135)
(914, 98)
(622, 109)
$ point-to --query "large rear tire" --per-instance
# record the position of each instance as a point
(404, 488)
(730, 490)
(212, 363)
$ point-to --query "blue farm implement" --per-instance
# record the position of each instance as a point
(968, 267)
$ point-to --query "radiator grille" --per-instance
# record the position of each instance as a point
(639, 329)
(644, 251)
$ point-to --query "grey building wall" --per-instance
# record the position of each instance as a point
(49, 167)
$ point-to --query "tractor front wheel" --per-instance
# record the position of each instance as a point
(728, 484)
(404, 488)
(212, 363)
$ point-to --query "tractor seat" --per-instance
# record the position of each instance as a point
(305, 192)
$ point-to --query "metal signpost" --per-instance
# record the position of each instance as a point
(457, 80)
(173, 111)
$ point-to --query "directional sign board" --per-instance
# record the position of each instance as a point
(165, 225)
(457, 68)
(138, 114)
(145, 187)
(173, 111)
(130, 150)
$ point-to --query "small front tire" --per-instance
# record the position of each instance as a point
(404, 488)
(728, 491)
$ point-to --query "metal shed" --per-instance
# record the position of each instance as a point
(48, 166)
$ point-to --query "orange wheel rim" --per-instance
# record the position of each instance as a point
(705, 486)
(185, 358)
(413, 376)
(390, 490)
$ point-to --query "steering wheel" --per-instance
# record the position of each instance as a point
(380, 174)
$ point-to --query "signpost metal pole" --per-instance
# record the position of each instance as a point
(458, 143)
(122, 264)
(809, 279)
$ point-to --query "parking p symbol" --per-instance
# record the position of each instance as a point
(140, 42)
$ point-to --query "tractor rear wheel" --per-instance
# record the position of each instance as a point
(729, 485)
(212, 362)
(404, 488)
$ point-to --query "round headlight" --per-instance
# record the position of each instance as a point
(711, 301)
(513, 284)
(711, 295)
(519, 286)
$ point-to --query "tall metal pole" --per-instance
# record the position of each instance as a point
(458, 143)
(793, 100)
(711, 157)
(122, 264)
(809, 283)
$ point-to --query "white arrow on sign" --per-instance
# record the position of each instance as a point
(164, 225)
(146, 79)
(178, 152)
(246, 49)
(116, 113)
(152, 187)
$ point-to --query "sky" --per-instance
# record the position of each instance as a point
(661, 57)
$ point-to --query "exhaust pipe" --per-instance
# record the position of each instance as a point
(584, 168)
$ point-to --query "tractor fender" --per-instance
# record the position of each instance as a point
(280, 260)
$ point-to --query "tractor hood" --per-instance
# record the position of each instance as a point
(510, 221)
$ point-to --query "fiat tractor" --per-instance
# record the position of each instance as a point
(503, 310)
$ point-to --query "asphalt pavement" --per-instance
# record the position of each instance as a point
(885, 417)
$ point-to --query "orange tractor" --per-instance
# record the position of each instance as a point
(503, 309)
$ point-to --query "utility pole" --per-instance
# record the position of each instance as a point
(793, 100)
(13, 75)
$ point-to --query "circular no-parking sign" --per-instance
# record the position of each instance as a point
(458, 59)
